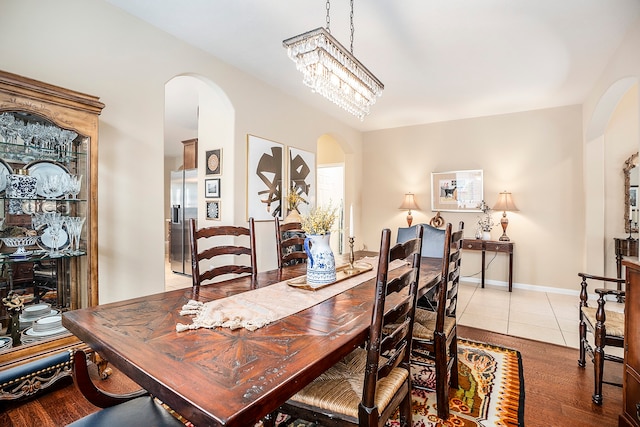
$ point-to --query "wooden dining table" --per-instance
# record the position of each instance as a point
(223, 377)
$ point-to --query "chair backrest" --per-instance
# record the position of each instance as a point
(389, 344)
(204, 247)
(290, 243)
(432, 239)
(447, 293)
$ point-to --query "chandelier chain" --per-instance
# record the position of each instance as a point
(352, 27)
(328, 6)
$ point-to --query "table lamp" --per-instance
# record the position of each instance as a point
(504, 204)
(409, 203)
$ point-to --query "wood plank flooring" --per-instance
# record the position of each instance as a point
(558, 392)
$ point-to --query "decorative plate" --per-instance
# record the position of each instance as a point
(30, 332)
(5, 171)
(46, 242)
(42, 169)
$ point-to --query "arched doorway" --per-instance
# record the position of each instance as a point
(595, 182)
(196, 108)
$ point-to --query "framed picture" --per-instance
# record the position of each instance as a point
(633, 196)
(214, 162)
(456, 191)
(213, 210)
(302, 178)
(265, 168)
(212, 187)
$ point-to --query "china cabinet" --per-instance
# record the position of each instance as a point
(48, 177)
(630, 415)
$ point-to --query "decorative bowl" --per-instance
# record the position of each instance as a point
(20, 242)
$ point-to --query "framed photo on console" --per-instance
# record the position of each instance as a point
(457, 191)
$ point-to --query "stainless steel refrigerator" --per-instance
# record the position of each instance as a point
(184, 205)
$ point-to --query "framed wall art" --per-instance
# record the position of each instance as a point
(302, 177)
(214, 162)
(265, 165)
(457, 191)
(212, 187)
(213, 210)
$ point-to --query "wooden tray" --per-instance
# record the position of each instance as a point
(342, 273)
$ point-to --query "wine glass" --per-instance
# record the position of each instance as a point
(54, 222)
(74, 228)
(51, 185)
(73, 185)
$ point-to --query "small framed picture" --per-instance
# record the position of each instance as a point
(214, 162)
(213, 210)
(212, 187)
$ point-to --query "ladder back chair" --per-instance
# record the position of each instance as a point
(125, 410)
(369, 385)
(606, 326)
(203, 248)
(290, 243)
(435, 339)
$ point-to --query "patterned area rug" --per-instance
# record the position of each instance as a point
(490, 392)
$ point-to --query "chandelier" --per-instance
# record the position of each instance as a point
(331, 70)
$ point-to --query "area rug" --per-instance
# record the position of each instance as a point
(490, 391)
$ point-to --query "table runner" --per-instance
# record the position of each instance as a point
(254, 309)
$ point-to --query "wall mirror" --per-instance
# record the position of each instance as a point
(631, 179)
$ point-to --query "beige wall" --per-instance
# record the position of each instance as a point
(620, 75)
(92, 47)
(621, 141)
(537, 155)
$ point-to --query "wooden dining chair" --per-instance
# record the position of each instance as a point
(435, 332)
(606, 326)
(372, 382)
(432, 247)
(211, 244)
(290, 243)
(126, 410)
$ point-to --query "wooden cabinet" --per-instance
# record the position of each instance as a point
(631, 372)
(55, 131)
(190, 154)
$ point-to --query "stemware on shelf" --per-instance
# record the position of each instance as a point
(74, 228)
(54, 222)
(51, 185)
(72, 185)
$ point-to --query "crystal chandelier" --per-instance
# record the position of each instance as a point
(332, 71)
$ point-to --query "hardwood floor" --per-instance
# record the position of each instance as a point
(558, 392)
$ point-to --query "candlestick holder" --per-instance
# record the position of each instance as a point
(630, 228)
(351, 269)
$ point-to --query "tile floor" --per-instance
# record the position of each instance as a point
(541, 316)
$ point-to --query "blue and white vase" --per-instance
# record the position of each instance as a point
(321, 265)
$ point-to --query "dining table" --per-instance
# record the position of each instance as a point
(225, 377)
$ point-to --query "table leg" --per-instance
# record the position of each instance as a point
(510, 271)
(483, 257)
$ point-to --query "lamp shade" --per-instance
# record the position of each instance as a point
(409, 202)
(505, 203)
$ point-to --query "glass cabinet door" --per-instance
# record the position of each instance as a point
(43, 209)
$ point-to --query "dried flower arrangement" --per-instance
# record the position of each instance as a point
(320, 220)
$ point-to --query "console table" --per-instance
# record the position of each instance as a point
(491, 246)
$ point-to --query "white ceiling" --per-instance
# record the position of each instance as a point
(438, 59)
